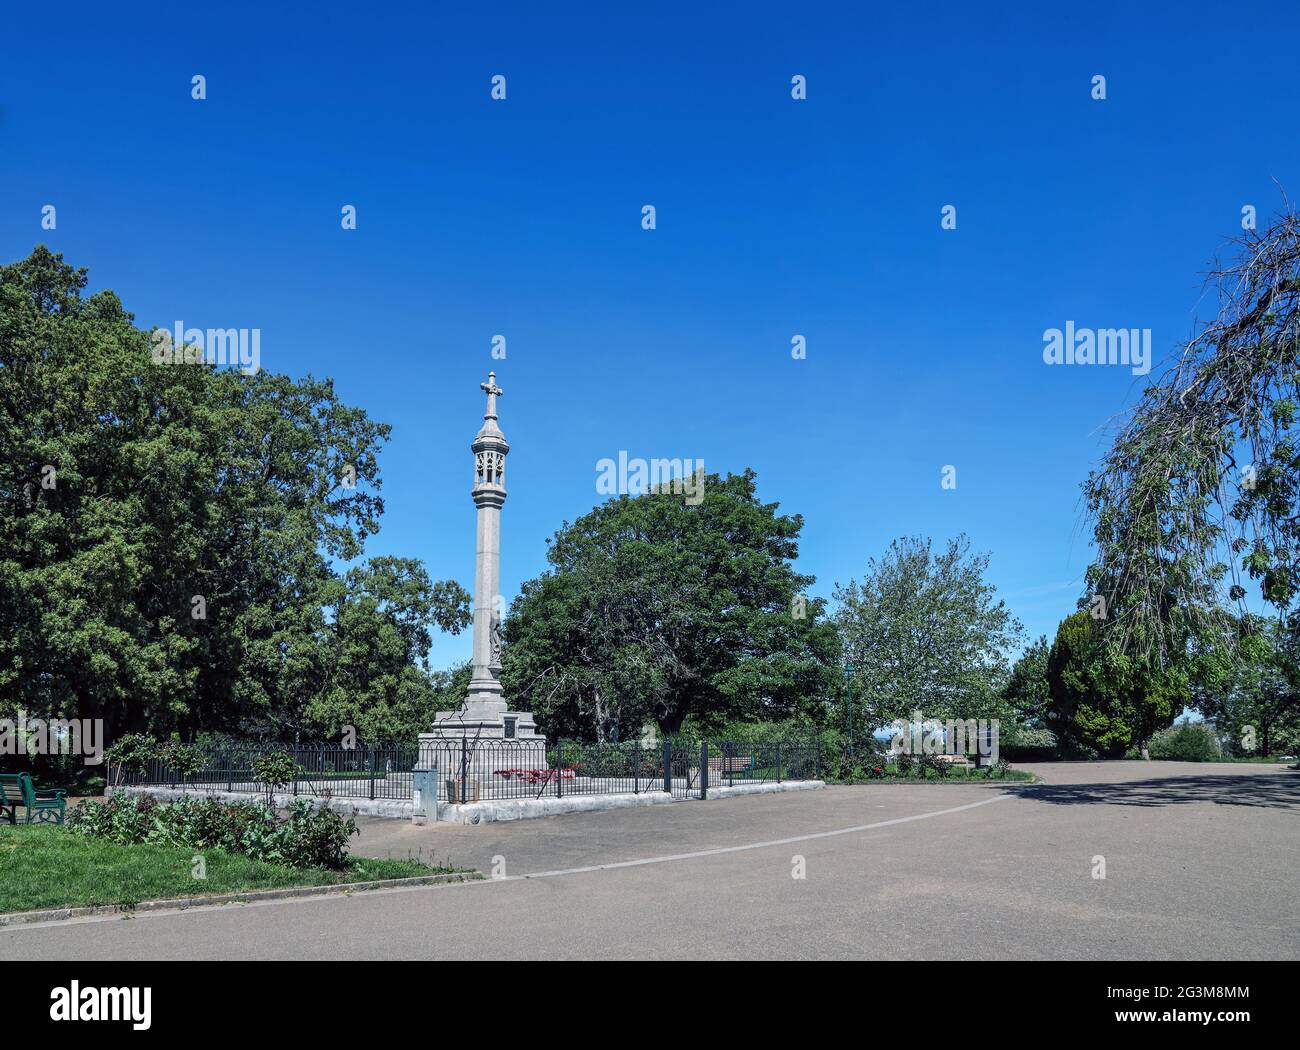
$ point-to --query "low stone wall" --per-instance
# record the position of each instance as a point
(526, 808)
(378, 807)
(485, 812)
(492, 810)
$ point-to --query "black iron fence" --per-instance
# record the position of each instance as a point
(471, 770)
(323, 769)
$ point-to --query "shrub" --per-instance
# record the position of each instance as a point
(274, 770)
(183, 759)
(131, 754)
(1029, 745)
(1186, 742)
(315, 838)
(304, 837)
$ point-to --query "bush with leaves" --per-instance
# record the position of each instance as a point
(1187, 742)
(275, 769)
(184, 760)
(304, 837)
(131, 754)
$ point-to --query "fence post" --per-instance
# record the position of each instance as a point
(464, 770)
(778, 763)
(559, 766)
(668, 766)
(704, 769)
(372, 772)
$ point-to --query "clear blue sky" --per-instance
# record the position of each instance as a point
(775, 217)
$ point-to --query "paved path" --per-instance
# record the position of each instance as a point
(1200, 863)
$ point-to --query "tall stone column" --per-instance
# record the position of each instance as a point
(485, 715)
(490, 448)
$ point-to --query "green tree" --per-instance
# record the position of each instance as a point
(1104, 701)
(168, 532)
(925, 631)
(656, 608)
(1256, 704)
(1027, 691)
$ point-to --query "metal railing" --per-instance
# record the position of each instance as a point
(324, 769)
(471, 770)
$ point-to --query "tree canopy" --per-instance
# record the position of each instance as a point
(1199, 494)
(925, 631)
(657, 608)
(1103, 701)
(169, 534)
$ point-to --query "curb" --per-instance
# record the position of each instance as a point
(22, 918)
(493, 811)
(955, 782)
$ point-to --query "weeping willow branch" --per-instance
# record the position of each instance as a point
(1196, 502)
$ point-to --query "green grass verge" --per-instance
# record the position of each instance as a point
(50, 867)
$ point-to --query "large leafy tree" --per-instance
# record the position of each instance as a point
(1026, 690)
(1256, 702)
(1102, 700)
(167, 533)
(924, 630)
(657, 608)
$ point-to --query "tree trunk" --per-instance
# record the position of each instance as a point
(1146, 754)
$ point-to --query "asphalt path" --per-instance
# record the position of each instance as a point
(1200, 862)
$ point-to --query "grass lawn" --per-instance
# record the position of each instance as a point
(50, 867)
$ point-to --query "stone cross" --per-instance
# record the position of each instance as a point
(493, 392)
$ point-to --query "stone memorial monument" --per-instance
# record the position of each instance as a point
(485, 718)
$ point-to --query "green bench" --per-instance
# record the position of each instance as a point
(43, 807)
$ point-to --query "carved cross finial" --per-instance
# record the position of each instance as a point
(493, 392)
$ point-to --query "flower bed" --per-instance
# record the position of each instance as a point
(303, 838)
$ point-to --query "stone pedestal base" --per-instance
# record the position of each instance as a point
(476, 743)
(485, 727)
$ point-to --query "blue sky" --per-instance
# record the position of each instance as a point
(775, 217)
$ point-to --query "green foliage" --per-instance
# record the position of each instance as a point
(129, 489)
(304, 837)
(1254, 698)
(1027, 744)
(855, 764)
(656, 609)
(1206, 472)
(184, 760)
(1103, 700)
(131, 753)
(1186, 742)
(924, 631)
(1027, 692)
(275, 769)
(47, 867)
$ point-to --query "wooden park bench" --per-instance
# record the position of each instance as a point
(732, 765)
(43, 807)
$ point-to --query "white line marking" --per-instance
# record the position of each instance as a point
(739, 849)
(717, 851)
